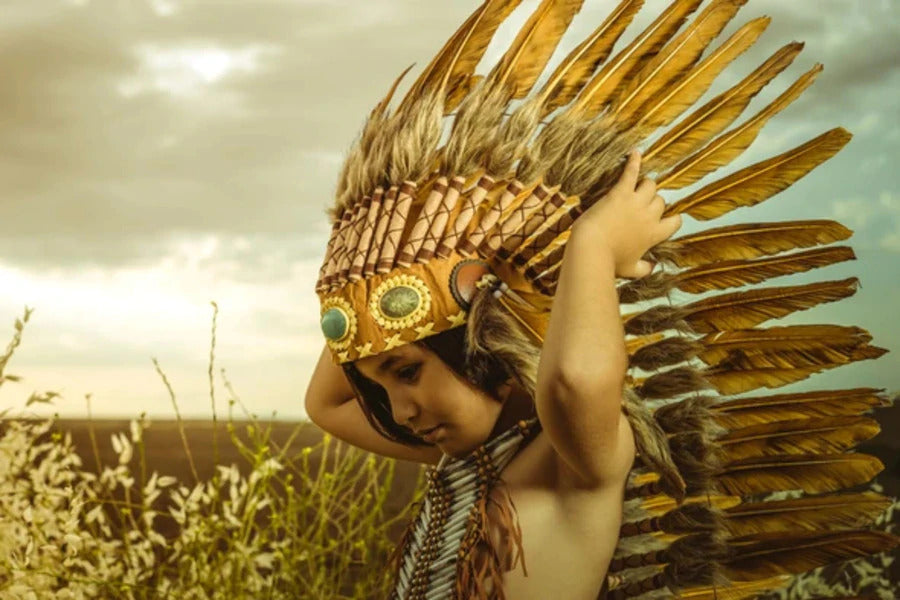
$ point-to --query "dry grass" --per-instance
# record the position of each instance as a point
(288, 522)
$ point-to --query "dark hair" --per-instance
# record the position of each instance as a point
(483, 371)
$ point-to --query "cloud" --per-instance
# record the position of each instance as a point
(878, 221)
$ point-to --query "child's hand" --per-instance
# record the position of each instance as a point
(628, 220)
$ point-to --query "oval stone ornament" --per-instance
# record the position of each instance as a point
(335, 324)
(400, 301)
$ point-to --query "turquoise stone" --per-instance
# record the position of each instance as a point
(400, 301)
(334, 324)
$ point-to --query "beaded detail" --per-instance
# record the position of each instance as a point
(338, 322)
(400, 302)
(438, 548)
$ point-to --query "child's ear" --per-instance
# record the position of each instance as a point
(505, 389)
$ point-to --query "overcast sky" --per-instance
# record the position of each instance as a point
(158, 155)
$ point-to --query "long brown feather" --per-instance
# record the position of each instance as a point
(738, 378)
(440, 68)
(713, 117)
(739, 590)
(730, 381)
(454, 64)
(799, 436)
(814, 474)
(631, 59)
(664, 107)
(753, 240)
(654, 83)
(523, 63)
(726, 274)
(741, 412)
(574, 71)
(732, 144)
(763, 180)
(740, 310)
(838, 511)
(831, 343)
(767, 554)
(737, 273)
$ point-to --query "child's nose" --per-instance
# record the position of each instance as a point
(403, 408)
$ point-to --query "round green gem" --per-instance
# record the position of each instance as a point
(335, 324)
(400, 301)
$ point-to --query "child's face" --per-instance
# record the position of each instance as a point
(424, 393)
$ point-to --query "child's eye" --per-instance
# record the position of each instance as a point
(408, 373)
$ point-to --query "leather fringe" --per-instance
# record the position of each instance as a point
(479, 573)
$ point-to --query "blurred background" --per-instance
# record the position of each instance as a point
(159, 155)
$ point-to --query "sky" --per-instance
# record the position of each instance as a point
(159, 155)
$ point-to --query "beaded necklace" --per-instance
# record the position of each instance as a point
(446, 550)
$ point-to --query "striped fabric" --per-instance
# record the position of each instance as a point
(445, 525)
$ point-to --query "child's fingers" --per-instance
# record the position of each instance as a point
(642, 269)
(628, 180)
(669, 225)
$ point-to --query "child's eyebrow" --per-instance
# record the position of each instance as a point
(387, 363)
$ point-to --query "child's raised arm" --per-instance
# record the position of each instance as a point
(583, 362)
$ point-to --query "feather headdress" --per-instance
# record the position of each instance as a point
(418, 223)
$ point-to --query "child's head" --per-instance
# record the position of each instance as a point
(456, 379)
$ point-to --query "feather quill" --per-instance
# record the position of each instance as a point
(737, 273)
(726, 274)
(729, 381)
(813, 342)
(452, 67)
(737, 590)
(738, 378)
(672, 100)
